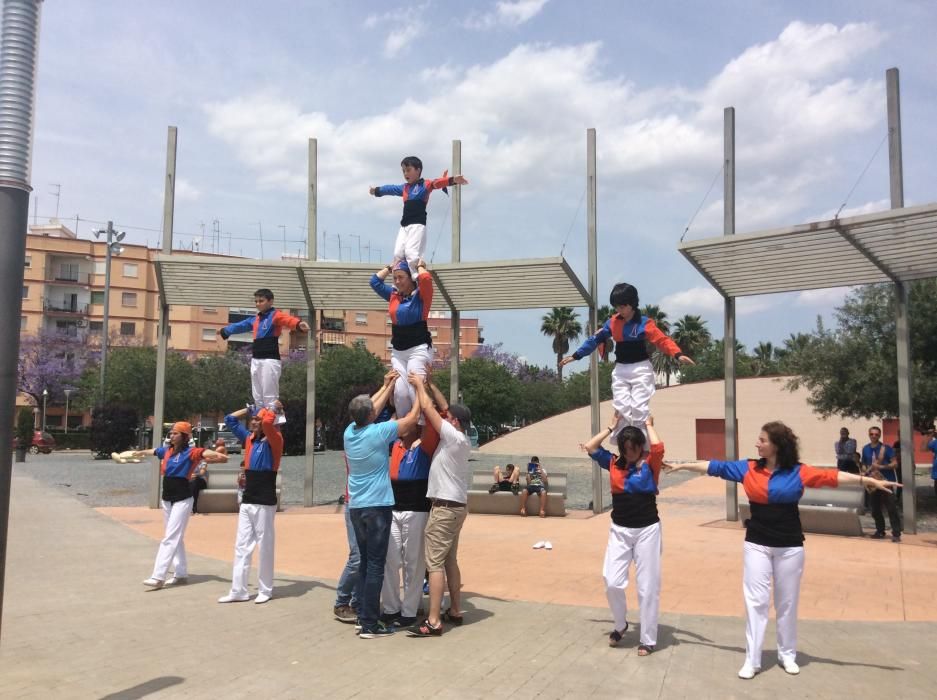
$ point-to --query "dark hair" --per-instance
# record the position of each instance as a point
(624, 293)
(630, 435)
(535, 458)
(265, 293)
(412, 161)
(509, 469)
(463, 414)
(785, 441)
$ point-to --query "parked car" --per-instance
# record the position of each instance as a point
(230, 442)
(42, 442)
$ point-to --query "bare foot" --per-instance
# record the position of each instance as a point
(524, 512)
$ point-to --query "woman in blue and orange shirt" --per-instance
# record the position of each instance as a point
(408, 306)
(634, 534)
(178, 463)
(774, 538)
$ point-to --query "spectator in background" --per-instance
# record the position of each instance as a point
(506, 480)
(930, 442)
(846, 449)
(878, 461)
(537, 483)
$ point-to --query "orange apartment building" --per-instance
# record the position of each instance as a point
(63, 290)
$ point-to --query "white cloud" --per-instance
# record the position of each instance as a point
(401, 38)
(523, 117)
(858, 210)
(507, 13)
(825, 298)
(186, 191)
(706, 301)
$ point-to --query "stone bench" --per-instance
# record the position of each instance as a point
(824, 511)
(508, 503)
(221, 494)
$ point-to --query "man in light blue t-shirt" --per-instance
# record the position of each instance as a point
(367, 449)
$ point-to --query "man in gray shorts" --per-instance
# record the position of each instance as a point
(448, 492)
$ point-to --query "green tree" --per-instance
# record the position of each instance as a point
(488, 389)
(692, 335)
(764, 360)
(852, 370)
(661, 361)
(222, 383)
(794, 350)
(577, 386)
(341, 374)
(131, 381)
(563, 326)
(710, 364)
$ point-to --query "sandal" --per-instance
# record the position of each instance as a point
(450, 618)
(424, 629)
(645, 650)
(614, 639)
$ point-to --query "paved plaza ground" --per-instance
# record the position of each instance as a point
(77, 622)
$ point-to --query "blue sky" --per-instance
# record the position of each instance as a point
(519, 82)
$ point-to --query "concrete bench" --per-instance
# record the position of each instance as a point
(824, 511)
(508, 503)
(221, 494)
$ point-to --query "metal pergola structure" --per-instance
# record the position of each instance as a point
(319, 285)
(894, 246)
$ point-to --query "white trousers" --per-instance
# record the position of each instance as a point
(172, 546)
(643, 546)
(762, 564)
(255, 528)
(632, 389)
(410, 245)
(405, 361)
(265, 382)
(404, 550)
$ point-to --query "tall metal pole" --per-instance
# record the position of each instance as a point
(456, 326)
(902, 317)
(162, 334)
(592, 244)
(311, 341)
(19, 48)
(728, 229)
(105, 331)
(67, 394)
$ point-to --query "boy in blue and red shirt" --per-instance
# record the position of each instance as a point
(633, 376)
(411, 238)
(265, 348)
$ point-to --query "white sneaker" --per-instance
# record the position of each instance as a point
(261, 598)
(747, 672)
(153, 583)
(231, 598)
(548, 545)
(540, 545)
(790, 667)
(177, 581)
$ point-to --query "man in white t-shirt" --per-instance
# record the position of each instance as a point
(448, 492)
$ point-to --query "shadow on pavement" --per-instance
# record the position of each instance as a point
(143, 689)
(297, 589)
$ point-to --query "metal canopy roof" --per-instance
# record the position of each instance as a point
(895, 245)
(473, 286)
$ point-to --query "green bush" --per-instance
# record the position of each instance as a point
(72, 440)
(113, 429)
(24, 427)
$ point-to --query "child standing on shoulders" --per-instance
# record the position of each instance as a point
(411, 238)
(633, 376)
(265, 348)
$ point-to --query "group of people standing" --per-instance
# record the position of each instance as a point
(881, 461)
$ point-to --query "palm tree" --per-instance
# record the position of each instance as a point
(763, 356)
(604, 313)
(562, 324)
(661, 362)
(659, 316)
(691, 334)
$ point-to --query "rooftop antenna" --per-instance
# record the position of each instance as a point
(58, 196)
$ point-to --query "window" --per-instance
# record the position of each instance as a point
(360, 339)
(130, 269)
(128, 328)
(69, 328)
(97, 298)
(68, 271)
(22, 323)
(28, 261)
(208, 334)
(25, 291)
(209, 310)
(389, 322)
(434, 332)
(99, 267)
(94, 327)
(361, 318)
(128, 299)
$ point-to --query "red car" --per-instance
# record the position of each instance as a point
(42, 442)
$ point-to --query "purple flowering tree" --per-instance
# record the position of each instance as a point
(53, 362)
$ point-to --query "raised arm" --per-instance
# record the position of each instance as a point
(438, 399)
(233, 422)
(426, 402)
(380, 287)
(410, 420)
(242, 326)
(664, 342)
(700, 467)
(862, 480)
(380, 397)
(596, 441)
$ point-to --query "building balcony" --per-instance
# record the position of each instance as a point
(331, 338)
(63, 308)
(69, 278)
